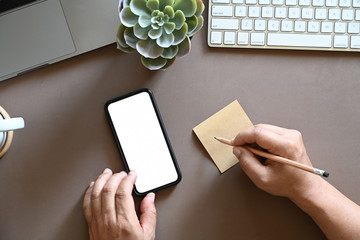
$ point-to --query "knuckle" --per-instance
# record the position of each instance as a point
(121, 194)
(107, 189)
(95, 195)
(258, 129)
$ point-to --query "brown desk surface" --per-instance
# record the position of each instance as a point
(67, 141)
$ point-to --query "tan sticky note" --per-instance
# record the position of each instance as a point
(226, 123)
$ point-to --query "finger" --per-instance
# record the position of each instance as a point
(124, 201)
(87, 202)
(108, 195)
(264, 138)
(96, 192)
(250, 164)
(148, 214)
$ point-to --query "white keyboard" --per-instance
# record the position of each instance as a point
(285, 24)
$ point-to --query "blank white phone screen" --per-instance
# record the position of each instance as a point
(142, 141)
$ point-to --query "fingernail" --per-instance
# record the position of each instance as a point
(132, 172)
(123, 173)
(151, 197)
(107, 170)
(92, 183)
(237, 152)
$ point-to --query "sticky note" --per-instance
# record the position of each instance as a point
(226, 123)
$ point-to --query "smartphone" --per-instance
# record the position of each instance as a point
(141, 137)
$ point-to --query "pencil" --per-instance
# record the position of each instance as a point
(278, 158)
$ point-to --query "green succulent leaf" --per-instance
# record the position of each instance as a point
(127, 17)
(169, 27)
(164, 3)
(153, 4)
(199, 8)
(153, 64)
(170, 52)
(165, 40)
(149, 49)
(130, 37)
(126, 3)
(121, 43)
(155, 33)
(168, 63)
(179, 19)
(179, 35)
(141, 33)
(145, 21)
(139, 8)
(198, 27)
(192, 23)
(188, 7)
(168, 10)
(184, 47)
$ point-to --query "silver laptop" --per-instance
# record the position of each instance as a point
(36, 33)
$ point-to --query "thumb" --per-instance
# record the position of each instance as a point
(148, 214)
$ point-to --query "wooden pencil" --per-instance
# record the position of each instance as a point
(278, 158)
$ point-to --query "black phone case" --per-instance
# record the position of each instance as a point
(163, 131)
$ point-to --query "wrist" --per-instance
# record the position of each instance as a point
(310, 194)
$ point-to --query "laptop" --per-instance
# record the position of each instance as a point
(36, 33)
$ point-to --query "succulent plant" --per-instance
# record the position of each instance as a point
(159, 30)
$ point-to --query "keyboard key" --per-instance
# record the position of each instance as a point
(250, 1)
(353, 27)
(307, 13)
(355, 42)
(320, 14)
(226, 24)
(356, 3)
(299, 40)
(326, 27)
(347, 14)
(278, 2)
(240, 11)
(264, 2)
(340, 27)
(237, 1)
(294, 13)
(246, 25)
(267, 12)
(254, 12)
(257, 39)
(344, 3)
(341, 41)
(216, 37)
(243, 38)
(313, 27)
(290, 2)
(229, 38)
(300, 26)
(331, 3)
(318, 3)
(357, 15)
(286, 26)
(260, 25)
(222, 11)
(334, 14)
(280, 12)
(273, 25)
(304, 2)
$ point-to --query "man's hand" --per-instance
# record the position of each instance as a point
(110, 212)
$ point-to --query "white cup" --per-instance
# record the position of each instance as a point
(2, 135)
(7, 125)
